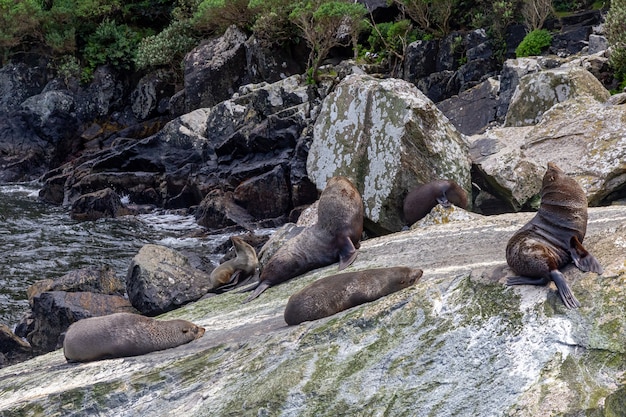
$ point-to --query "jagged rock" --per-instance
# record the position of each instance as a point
(459, 342)
(265, 64)
(512, 71)
(474, 109)
(583, 136)
(265, 196)
(219, 210)
(538, 92)
(99, 204)
(161, 279)
(149, 93)
(54, 311)
(215, 70)
(12, 348)
(103, 95)
(18, 81)
(387, 137)
(101, 280)
(22, 152)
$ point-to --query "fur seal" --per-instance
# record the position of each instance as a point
(335, 293)
(334, 237)
(423, 198)
(553, 238)
(124, 334)
(239, 268)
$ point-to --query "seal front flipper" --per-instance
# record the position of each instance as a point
(443, 200)
(527, 281)
(262, 286)
(564, 291)
(347, 252)
(583, 260)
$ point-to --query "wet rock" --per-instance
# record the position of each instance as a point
(265, 196)
(54, 311)
(150, 91)
(161, 279)
(12, 348)
(99, 204)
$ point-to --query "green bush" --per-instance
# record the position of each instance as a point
(111, 44)
(214, 16)
(533, 43)
(166, 48)
(19, 20)
(615, 25)
(271, 22)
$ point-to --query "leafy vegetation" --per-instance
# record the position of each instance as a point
(534, 43)
(150, 34)
(616, 35)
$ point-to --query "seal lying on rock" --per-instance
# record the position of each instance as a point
(335, 237)
(335, 293)
(422, 199)
(124, 334)
(233, 270)
(553, 238)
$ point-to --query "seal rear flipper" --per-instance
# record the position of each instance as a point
(347, 254)
(262, 286)
(527, 281)
(583, 260)
(564, 291)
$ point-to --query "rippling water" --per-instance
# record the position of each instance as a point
(39, 241)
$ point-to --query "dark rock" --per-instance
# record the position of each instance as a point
(265, 196)
(99, 204)
(19, 81)
(219, 210)
(23, 154)
(439, 86)
(420, 60)
(12, 348)
(54, 311)
(271, 64)
(102, 97)
(215, 70)
(101, 280)
(571, 41)
(161, 279)
(150, 91)
(474, 109)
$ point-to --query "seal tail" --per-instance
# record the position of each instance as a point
(582, 259)
(564, 291)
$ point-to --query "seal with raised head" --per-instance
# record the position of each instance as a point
(422, 199)
(334, 237)
(237, 269)
(553, 238)
(124, 334)
(335, 293)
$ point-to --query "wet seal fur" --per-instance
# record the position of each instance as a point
(335, 237)
(335, 293)
(124, 334)
(422, 199)
(237, 269)
(553, 238)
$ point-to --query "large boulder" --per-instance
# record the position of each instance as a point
(387, 137)
(538, 92)
(161, 279)
(459, 342)
(583, 136)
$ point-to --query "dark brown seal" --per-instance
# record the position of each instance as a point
(553, 238)
(335, 293)
(335, 237)
(124, 334)
(422, 199)
(236, 269)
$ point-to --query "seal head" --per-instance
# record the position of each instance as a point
(237, 269)
(422, 199)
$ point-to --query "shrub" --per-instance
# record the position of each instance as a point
(271, 22)
(533, 43)
(19, 20)
(615, 25)
(166, 48)
(214, 16)
(111, 44)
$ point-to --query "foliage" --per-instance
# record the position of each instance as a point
(326, 24)
(68, 68)
(19, 21)
(535, 12)
(214, 16)
(615, 26)
(166, 48)
(430, 15)
(389, 40)
(533, 43)
(272, 25)
(111, 44)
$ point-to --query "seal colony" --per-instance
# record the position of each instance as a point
(553, 238)
(335, 293)
(124, 334)
(334, 237)
(422, 199)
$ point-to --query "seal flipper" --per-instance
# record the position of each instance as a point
(564, 291)
(582, 258)
(443, 200)
(527, 281)
(262, 286)
(347, 253)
